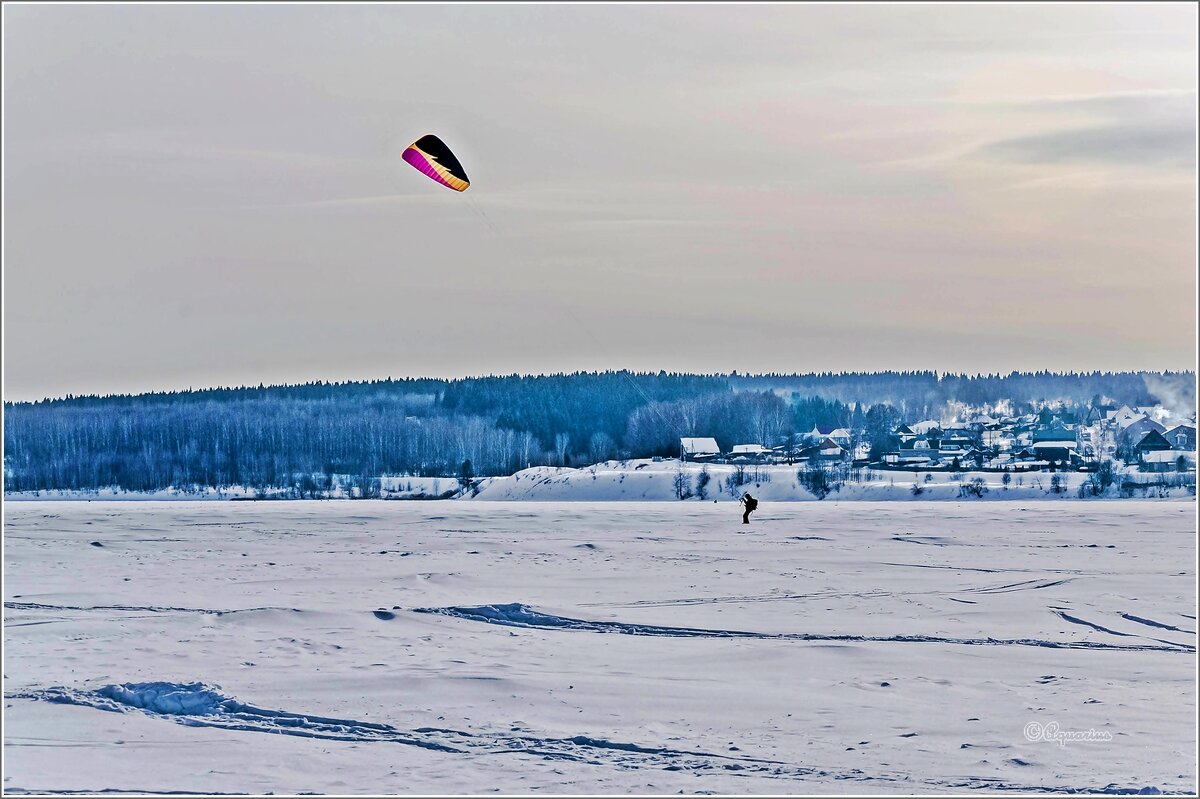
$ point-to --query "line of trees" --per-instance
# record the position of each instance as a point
(921, 394)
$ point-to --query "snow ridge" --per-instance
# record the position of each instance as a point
(519, 615)
(198, 704)
(136, 608)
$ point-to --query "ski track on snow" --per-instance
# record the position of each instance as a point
(519, 615)
(137, 608)
(201, 705)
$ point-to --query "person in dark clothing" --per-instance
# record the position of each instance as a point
(751, 505)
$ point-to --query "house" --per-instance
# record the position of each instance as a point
(1027, 459)
(1054, 433)
(959, 439)
(743, 453)
(1137, 430)
(1125, 416)
(1151, 442)
(1181, 437)
(829, 451)
(955, 445)
(905, 434)
(698, 449)
(972, 458)
(918, 451)
(1054, 452)
(1166, 460)
(997, 439)
(840, 435)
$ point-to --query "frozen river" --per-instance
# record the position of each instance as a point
(448, 647)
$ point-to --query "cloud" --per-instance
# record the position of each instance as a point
(1154, 129)
(1136, 144)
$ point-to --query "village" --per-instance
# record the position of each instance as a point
(1138, 439)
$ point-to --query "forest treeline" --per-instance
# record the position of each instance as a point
(273, 436)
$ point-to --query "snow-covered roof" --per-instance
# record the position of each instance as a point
(1166, 456)
(829, 431)
(921, 428)
(700, 446)
(1126, 417)
(1054, 445)
(748, 449)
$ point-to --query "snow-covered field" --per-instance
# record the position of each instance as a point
(450, 647)
(661, 481)
(656, 480)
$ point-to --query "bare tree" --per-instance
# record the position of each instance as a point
(683, 485)
(601, 447)
(561, 442)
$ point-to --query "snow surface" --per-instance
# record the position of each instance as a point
(391, 487)
(638, 480)
(451, 647)
(655, 481)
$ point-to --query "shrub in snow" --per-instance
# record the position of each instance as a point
(816, 481)
(977, 487)
(731, 486)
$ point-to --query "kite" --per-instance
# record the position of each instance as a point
(431, 155)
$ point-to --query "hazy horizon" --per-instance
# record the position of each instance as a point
(1170, 393)
(212, 195)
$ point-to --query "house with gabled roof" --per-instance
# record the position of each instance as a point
(1056, 453)
(829, 451)
(1154, 454)
(1134, 432)
(1181, 437)
(918, 450)
(748, 453)
(1054, 433)
(1167, 460)
(698, 449)
(840, 435)
(1125, 416)
(1153, 441)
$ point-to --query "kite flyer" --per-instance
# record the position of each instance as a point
(751, 505)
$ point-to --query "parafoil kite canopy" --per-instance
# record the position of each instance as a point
(431, 155)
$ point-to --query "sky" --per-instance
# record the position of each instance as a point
(203, 195)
